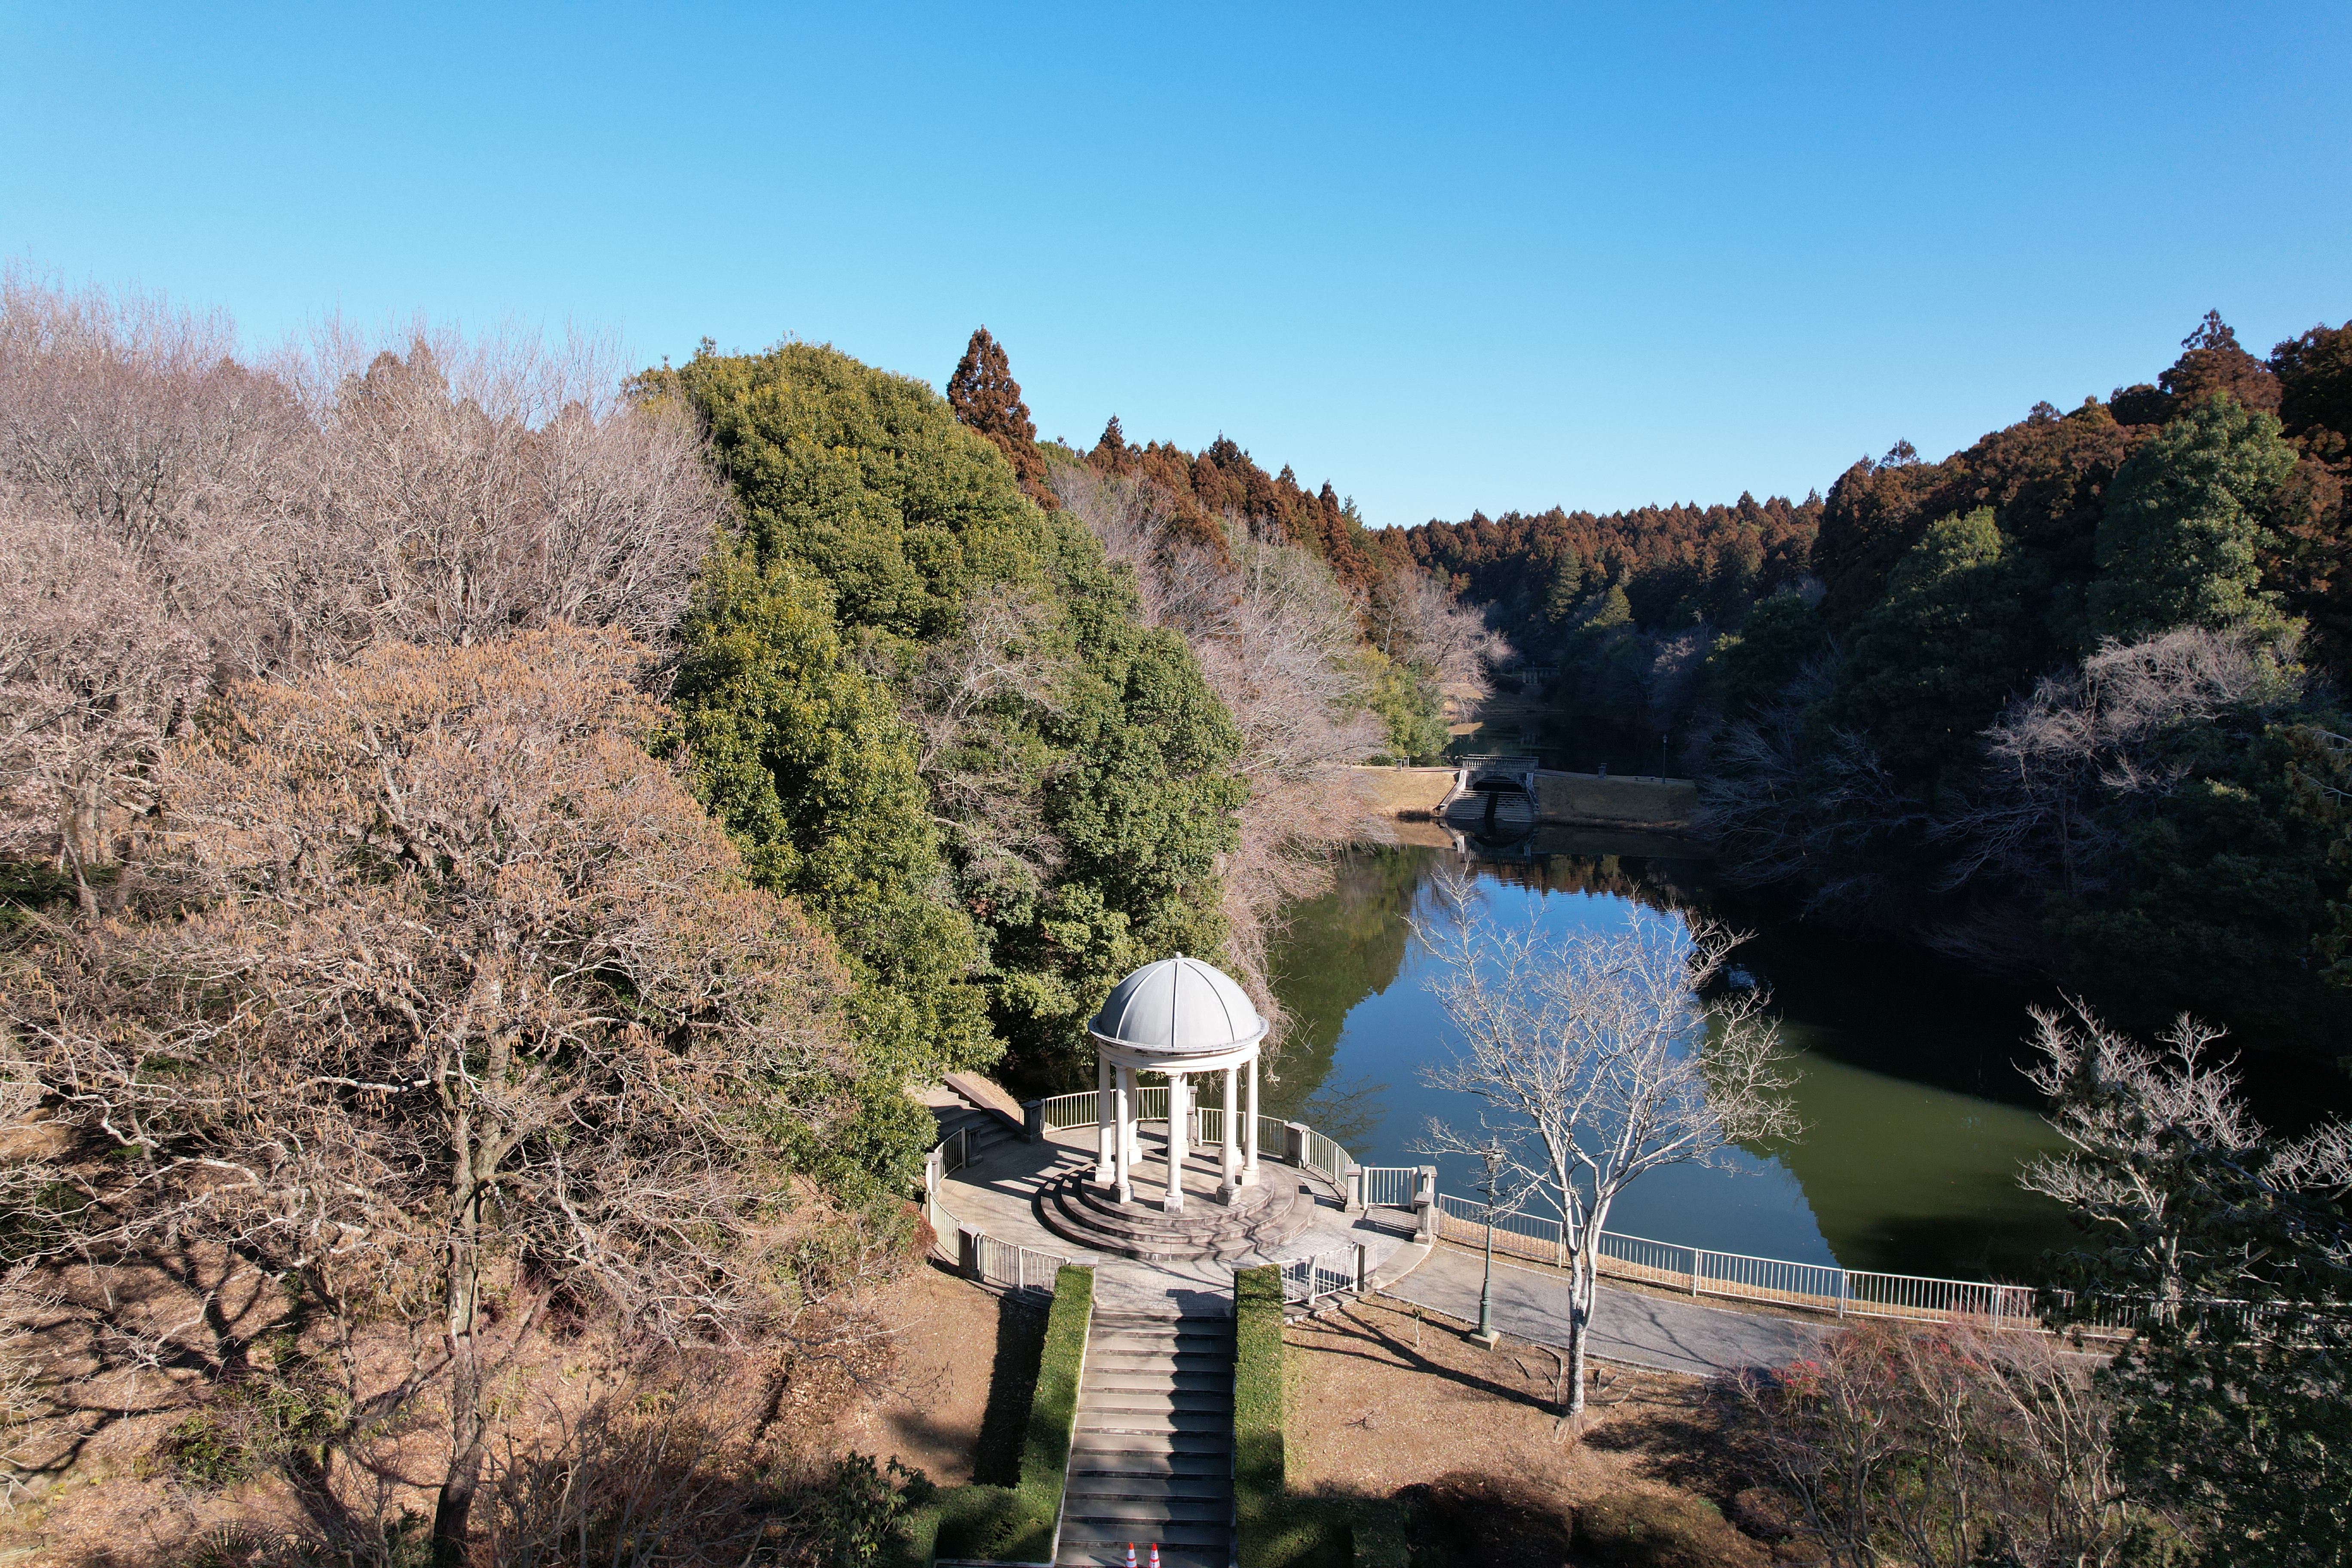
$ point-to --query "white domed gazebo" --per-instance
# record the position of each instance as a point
(1183, 1018)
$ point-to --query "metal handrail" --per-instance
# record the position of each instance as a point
(1700, 1271)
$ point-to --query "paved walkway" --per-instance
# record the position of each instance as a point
(1631, 1326)
(997, 1193)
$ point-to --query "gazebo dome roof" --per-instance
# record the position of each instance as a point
(1178, 1007)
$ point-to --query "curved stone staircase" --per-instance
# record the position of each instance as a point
(1260, 1217)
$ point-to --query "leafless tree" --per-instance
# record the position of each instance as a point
(173, 520)
(982, 773)
(95, 671)
(2132, 1116)
(1281, 645)
(1598, 1060)
(1942, 1447)
(439, 967)
(473, 488)
(133, 417)
(1415, 619)
(2072, 763)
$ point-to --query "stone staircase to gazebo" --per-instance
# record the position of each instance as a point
(1261, 1217)
(1151, 1450)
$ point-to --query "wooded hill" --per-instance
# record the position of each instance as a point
(2063, 704)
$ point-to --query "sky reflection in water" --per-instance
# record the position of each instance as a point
(1915, 1118)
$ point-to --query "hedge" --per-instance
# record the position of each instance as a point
(1015, 1524)
(1279, 1528)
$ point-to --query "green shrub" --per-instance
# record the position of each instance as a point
(988, 1523)
(1277, 1529)
(1016, 1523)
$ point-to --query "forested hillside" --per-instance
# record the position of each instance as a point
(2064, 704)
(928, 709)
(1623, 609)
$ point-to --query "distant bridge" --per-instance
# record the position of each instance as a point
(1495, 798)
(1499, 772)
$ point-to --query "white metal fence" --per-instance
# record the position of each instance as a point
(1018, 1267)
(1309, 1279)
(1324, 1158)
(1390, 1186)
(998, 1262)
(1701, 1271)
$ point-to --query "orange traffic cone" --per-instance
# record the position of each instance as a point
(1155, 1555)
(1131, 1554)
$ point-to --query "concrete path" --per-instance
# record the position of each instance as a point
(998, 1192)
(1630, 1326)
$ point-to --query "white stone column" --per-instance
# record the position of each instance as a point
(1232, 1156)
(1124, 1132)
(1106, 1125)
(1174, 1202)
(1249, 1129)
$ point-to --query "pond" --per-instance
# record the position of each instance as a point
(1916, 1118)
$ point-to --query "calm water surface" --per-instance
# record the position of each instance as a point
(1916, 1118)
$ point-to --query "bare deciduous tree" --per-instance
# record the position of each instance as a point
(94, 673)
(980, 771)
(2072, 764)
(440, 968)
(1280, 642)
(1598, 1061)
(174, 519)
(2139, 1124)
(1416, 619)
(1943, 1448)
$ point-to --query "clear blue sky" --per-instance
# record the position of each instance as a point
(1448, 257)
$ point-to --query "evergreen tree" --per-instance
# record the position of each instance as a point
(1567, 589)
(2185, 523)
(991, 865)
(1933, 657)
(986, 398)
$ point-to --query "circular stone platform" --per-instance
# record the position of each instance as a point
(1259, 1218)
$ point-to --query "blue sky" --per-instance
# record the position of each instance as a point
(1447, 257)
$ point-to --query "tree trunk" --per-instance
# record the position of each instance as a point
(453, 1508)
(1580, 1316)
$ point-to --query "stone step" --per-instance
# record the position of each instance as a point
(1101, 1554)
(1147, 1208)
(1123, 1403)
(1205, 1340)
(1146, 1378)
(1086, 1533)
(1185, 1346)
(1106, 1456)
(1146, 1234)
(1158, 1512)
(1214, 1425)
(1099, 1485)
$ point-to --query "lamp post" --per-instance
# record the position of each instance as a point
(1486, 1336)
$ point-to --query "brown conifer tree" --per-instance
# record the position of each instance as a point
(985, 396)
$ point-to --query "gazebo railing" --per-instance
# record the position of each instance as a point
(1700, 1271)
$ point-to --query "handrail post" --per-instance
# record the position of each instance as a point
(1697, 1255)
(1355, 1204)
(1424, 1203)
(1033, 1120)
(1363, 1275)
(968, 1260)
